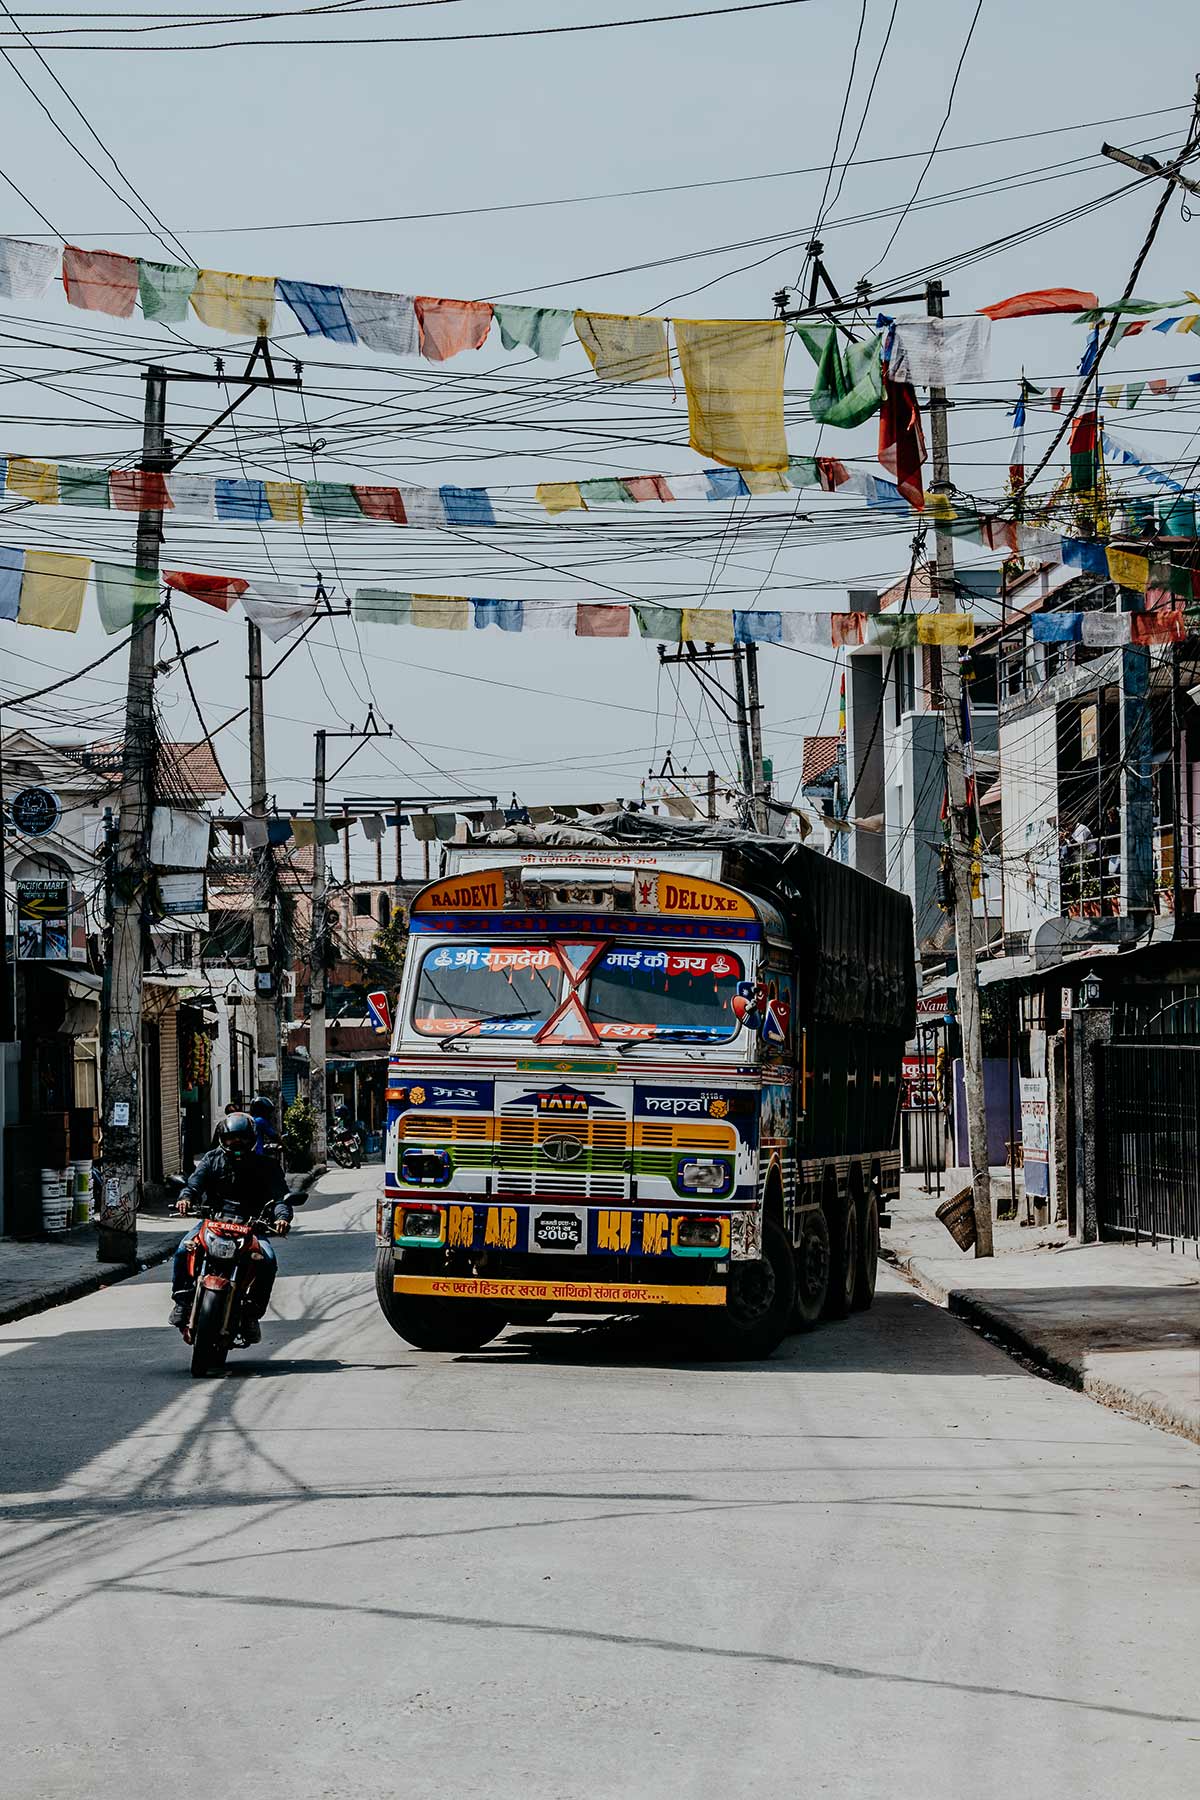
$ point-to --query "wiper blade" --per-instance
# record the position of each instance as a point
(491, 1019)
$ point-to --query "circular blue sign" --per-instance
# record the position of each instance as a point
(34, 811)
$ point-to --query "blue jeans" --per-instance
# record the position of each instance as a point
(262, 1282)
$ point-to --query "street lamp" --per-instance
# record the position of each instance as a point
(1090, 989)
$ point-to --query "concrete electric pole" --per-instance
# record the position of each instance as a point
(268, 1070)
(962, 834)
(316, 980)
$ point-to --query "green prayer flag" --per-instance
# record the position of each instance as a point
(537, 328)
(892, 631)
(123, 594)
(381, 606)
(801, 472)
(82, 487)
(331, 500)
(659, 622)
(849, 384)
(605, 493)
(165, 290)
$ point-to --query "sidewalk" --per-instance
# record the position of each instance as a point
(48, 1271)
(1118, 1321)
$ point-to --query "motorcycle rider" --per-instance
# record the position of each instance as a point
(263, 1114)
(231, 1181)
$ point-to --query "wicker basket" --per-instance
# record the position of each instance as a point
(958, 1216)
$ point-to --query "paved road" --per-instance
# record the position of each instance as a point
(887, 1563)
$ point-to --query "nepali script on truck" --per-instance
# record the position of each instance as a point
(643, 1067)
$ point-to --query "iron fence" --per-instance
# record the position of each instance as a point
(1150, 1125)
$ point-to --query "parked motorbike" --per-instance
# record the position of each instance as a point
(226, 1252)
(346, 1150)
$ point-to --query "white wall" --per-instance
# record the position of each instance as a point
(1029, 812)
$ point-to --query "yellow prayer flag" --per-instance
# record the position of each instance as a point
(441, 612)
(733, 372)
(622, 347)
(33, 480)
(52, 590)
(946, 628)
(706, 625)
(560, 496)
(286, 501)
(1129, 570)
(241, 304)
(765, 481)
(940, 508)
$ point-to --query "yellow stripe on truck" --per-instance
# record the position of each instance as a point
(557, 1293)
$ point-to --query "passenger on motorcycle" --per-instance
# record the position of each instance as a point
(263, 1114)
(232, 1182)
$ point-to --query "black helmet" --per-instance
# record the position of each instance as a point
(260, 1108)
(238, 1138)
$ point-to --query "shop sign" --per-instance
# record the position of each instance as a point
(34, 811)
(1035, 1134)
(43, 921)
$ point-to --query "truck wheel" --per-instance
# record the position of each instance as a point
(812, 1271)
(868, 1253)
(758, 1310)
(843, 1259)
(434, 1324)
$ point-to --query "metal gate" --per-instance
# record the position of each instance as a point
(1149, 1112)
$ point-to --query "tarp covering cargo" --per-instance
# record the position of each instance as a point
(861, 970)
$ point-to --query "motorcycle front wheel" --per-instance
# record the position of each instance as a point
(210, 1347)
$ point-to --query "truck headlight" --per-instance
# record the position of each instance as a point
(426, 1224)
(425, 1168)
(704, 1175)
(699, 1234)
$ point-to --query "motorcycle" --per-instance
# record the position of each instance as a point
(225, 1253)
(346, 1150)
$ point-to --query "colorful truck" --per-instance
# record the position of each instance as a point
(648, 1067)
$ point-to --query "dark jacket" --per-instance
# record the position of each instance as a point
(241, 1189)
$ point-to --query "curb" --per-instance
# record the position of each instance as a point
(976, 1312)
(112, 1272)
(84, 1285)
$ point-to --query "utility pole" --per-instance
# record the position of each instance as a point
(316, 990)
(268, 1072)
(962, 834)
(758, 798)
(121, 1046)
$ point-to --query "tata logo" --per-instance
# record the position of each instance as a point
(564, 1101)
(562, 1150)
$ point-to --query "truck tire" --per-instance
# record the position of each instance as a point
(812, 1271)
(843, 1220)
(757, 1315)
(434, 1324)
(868, 1252)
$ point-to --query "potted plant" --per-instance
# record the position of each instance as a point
(299, 1125)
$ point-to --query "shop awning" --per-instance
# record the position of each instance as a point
(83, 977)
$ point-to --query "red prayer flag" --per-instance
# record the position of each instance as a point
(1165, 627)
(382, 503)
(646, 487)
(100, 280)
(604, 619)
(846, 628)
(1056, 398)
(215, 590)
(1042, 300)
(450, 326)
(901, 439)
(831, 473)
(139, 490)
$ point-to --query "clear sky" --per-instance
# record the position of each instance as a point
(253, 156)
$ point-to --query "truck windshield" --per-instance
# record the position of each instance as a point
(486, 990)
(683, 995)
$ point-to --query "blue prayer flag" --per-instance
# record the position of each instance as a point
(321, 310)
(242, 499)
(279, 831)
(1091, 352)
(725, 484)
(1057, 628)
(467, 506)
(1083, 553)
(12, 567)
(757, 628)
(508, 615)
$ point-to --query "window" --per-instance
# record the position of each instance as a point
(362, 906)
(385, 909)
(904, 683)
(659, 993)
(486, 990)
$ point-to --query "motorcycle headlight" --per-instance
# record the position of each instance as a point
(704, 1175)
(221, 1249)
